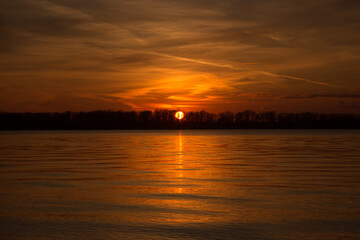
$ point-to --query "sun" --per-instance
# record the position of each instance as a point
(179, 115)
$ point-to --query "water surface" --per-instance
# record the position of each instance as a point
(220, 184)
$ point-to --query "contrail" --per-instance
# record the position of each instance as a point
(247, 68)
(304, 80)
(195, 60)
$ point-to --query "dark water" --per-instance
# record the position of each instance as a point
(247, 184)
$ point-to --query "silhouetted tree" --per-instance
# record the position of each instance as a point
(165, 119)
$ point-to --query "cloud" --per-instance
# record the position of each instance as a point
(145, 53)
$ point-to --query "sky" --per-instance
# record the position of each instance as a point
(190, 55)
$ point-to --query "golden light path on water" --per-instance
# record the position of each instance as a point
(180, 163)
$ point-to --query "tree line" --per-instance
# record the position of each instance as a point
(165, 119)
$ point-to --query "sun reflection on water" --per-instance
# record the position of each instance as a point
(180, 161)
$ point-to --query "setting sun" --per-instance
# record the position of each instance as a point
(179, 115)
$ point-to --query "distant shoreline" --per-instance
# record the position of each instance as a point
(165, 120)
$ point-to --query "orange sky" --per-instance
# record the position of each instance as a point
(59, 55)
